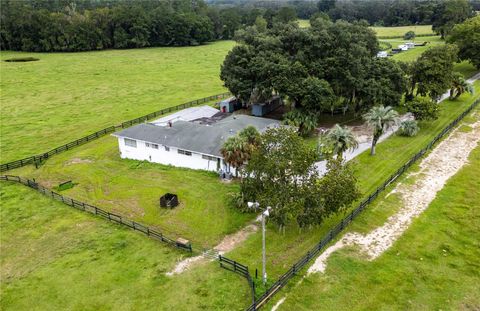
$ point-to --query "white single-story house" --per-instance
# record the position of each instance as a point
(382, 54)
(186, 144)
(403, 47)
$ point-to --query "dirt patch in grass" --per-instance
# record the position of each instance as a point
(229, 243)
(78, 161)
(441, 164)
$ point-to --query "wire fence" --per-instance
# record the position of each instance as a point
(402, 36)
(39, 158)
(97, 211)
(333, 233)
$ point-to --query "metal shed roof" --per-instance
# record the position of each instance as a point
(189, 114)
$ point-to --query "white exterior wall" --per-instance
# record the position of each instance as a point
(172, 157)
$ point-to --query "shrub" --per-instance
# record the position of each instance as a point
(423, 109)
(22, 59)
(409, 128)
(409, 35)
(384, 45)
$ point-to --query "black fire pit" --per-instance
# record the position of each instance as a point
(169, 200)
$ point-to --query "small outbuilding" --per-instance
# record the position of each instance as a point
(230, 105)
(261, 109)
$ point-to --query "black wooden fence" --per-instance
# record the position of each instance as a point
(97, 211)
(238, 268)
(401, 37)
(333, 233)
(43, 156)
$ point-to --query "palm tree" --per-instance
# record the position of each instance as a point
(235, 152)
(250, 134)
(305, 122)
(380, 119)
(459, 86)
(340, 140)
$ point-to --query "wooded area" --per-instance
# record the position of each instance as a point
(83, 25)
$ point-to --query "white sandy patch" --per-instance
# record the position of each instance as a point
(441, 164)
(185, 264)
(275, 307)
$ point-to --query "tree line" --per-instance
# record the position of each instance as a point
(82, 25)
(398, 12)
(375, 12)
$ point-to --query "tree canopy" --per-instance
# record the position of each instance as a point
(82, 25)
(328, 66)
(466, 37)
(281, 173)
(448, 13)
(432, 73)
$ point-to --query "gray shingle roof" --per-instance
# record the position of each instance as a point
(205, 139)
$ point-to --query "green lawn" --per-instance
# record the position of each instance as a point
(133, 188)
(53, 257)
(401, 30)
(65, 96)
(387, 31)
(433, 266)
(413, 54)
(464, 67)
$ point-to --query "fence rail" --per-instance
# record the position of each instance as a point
(332, 234)
(238, 268)
(401, 36)
(44, 156)
(97, 211)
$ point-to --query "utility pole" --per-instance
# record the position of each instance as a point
(265, 214)
(264, 257)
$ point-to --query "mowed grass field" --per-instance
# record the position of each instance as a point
(398, 31)
(402, 30)
(120, 185)
(433, 265)
(53, 257)
(133, 188)
(65, 96)
(464, 67)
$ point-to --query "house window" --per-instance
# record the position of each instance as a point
(209, 158)
(184, 152)
(130, 142)
(167, 148)
(154, 146)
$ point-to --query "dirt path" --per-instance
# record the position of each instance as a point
(441, 164)
(228, 243)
